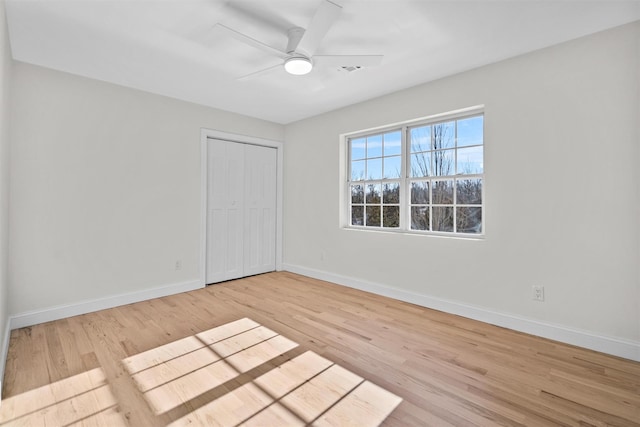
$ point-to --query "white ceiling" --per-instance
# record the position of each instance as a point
(172, 48)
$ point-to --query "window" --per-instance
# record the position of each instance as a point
(424, 177)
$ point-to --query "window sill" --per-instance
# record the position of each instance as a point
(456, 236)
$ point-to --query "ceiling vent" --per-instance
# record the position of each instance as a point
(350, 68)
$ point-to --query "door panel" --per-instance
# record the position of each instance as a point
(260, 202)
(216, 238)
(225, 206)
(268, 242)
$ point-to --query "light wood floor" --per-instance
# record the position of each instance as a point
(448, 370)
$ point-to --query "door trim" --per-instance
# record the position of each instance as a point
(205, 134)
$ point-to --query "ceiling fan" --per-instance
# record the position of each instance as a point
(298, 56)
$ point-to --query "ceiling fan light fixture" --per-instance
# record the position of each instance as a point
(298, 65)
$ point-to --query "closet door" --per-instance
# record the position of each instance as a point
(260, 210)
(225, 213)
(241, 210)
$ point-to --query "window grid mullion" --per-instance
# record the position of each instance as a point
(455, 172)
(405, 190)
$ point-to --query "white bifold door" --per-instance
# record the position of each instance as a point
(241, 211)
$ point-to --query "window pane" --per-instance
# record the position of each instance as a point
(470, 131)
(420, 193)
(392, 167)
(420, 165)
(357, 170)
(443, 218)
(373, 216)
(470, 160)
(420, 139)
(374, 169)
(469, 220)
(357, 215)
(391, 193)
(374, 146)
(443, 162)
(469, 191)
(357, 148)
(442, 193)
(357, 193)
(419, 218)
(391, 216)
(392, 143)
(373, 193)
(444, 135)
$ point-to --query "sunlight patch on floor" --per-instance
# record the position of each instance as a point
(84, 398)
(172, 378)
(306, 390)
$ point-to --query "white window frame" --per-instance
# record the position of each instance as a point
(406, 180)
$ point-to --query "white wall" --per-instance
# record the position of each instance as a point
(5, 85)
(562, 191)
(105, 188)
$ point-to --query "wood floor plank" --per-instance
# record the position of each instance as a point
(284, 349)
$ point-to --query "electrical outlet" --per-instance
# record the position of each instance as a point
(179, 265)
(538, 292)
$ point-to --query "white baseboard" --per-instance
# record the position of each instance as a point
(59, 312)
(4, 351)
(610, 345)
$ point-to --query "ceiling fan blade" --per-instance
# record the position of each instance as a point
(251, 41)
(348, 60)
(262, 72)
(295, 35)
(324, 18)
